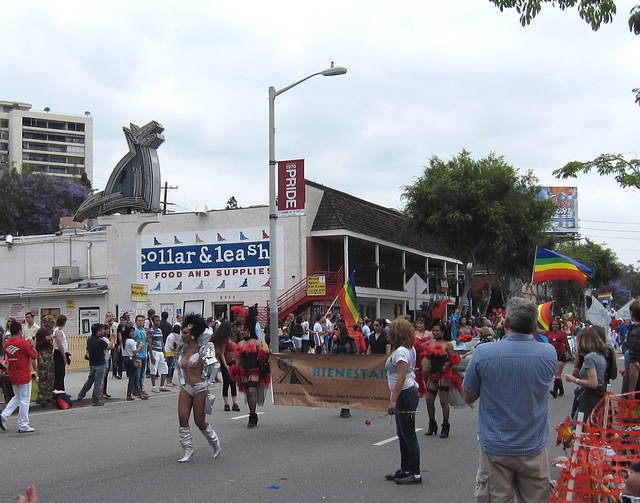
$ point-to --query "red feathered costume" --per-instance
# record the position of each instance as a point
(441, 364)
(250, 362)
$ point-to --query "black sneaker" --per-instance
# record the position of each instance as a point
(235, 407)
(227, 408)
(398, 475)
(409, 479)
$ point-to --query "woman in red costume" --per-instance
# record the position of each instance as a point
(438, 358)
(557, 337)
(422, 334)
(251, 370)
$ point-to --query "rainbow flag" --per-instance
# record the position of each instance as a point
(349, 302)
(317, 339)
(602, 297)
(544, 315)
(553, 266)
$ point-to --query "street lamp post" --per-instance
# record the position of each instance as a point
(273, 213)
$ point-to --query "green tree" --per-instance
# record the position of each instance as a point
(627, 173)
(593, 12)
(604, 262)
(232, 204)
(483, 211)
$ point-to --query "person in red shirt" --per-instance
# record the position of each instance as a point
(558, 339)
(21, 356)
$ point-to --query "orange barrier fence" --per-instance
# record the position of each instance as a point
(602, 452)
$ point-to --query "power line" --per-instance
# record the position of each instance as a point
(609, 230)
(607, 222)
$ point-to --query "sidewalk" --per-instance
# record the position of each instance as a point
(117, 388)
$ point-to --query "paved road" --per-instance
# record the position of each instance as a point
(129, 450)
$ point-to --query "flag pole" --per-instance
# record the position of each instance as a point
(329, 308)
(334, 300)
(533, 271)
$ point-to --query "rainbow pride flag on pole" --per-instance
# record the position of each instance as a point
(553, 266)
(349, 302)
(605, 297)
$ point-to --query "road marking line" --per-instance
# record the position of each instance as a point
(244, 416)
(392, 439)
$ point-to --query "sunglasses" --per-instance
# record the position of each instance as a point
(625, 498)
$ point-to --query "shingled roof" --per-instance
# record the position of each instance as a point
(342, 211)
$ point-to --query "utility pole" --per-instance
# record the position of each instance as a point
(164, 202)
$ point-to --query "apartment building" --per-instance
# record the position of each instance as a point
(57, 144)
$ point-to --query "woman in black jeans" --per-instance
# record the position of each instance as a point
(404, 400)
(226, 354)
(61, 356)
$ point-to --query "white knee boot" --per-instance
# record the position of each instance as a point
(212, 438)
(186, 441)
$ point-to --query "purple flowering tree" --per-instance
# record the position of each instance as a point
(33, 203)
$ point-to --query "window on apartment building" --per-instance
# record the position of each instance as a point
(72, 149)
(4, 135)
(4, 123)
(75, 126)
(31, 135)
(75, 139)
(57, 125)
(34, 146)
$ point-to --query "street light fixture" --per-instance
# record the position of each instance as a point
(273, 214)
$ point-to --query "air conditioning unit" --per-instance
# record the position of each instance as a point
(63, 275)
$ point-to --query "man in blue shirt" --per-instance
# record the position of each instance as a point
(140, 337)
(512, 377)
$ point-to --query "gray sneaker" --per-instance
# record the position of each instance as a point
(98, 404)
(28, 429)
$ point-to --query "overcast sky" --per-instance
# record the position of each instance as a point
(424, 78)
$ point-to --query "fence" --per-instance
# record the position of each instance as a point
(77, 348)
(602, 452)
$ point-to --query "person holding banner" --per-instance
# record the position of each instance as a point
(344, 344)
(404, 400)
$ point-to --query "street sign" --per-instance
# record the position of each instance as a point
(415, 286)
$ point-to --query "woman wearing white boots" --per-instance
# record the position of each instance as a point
(197, 367)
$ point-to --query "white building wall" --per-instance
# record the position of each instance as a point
(181, 233)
